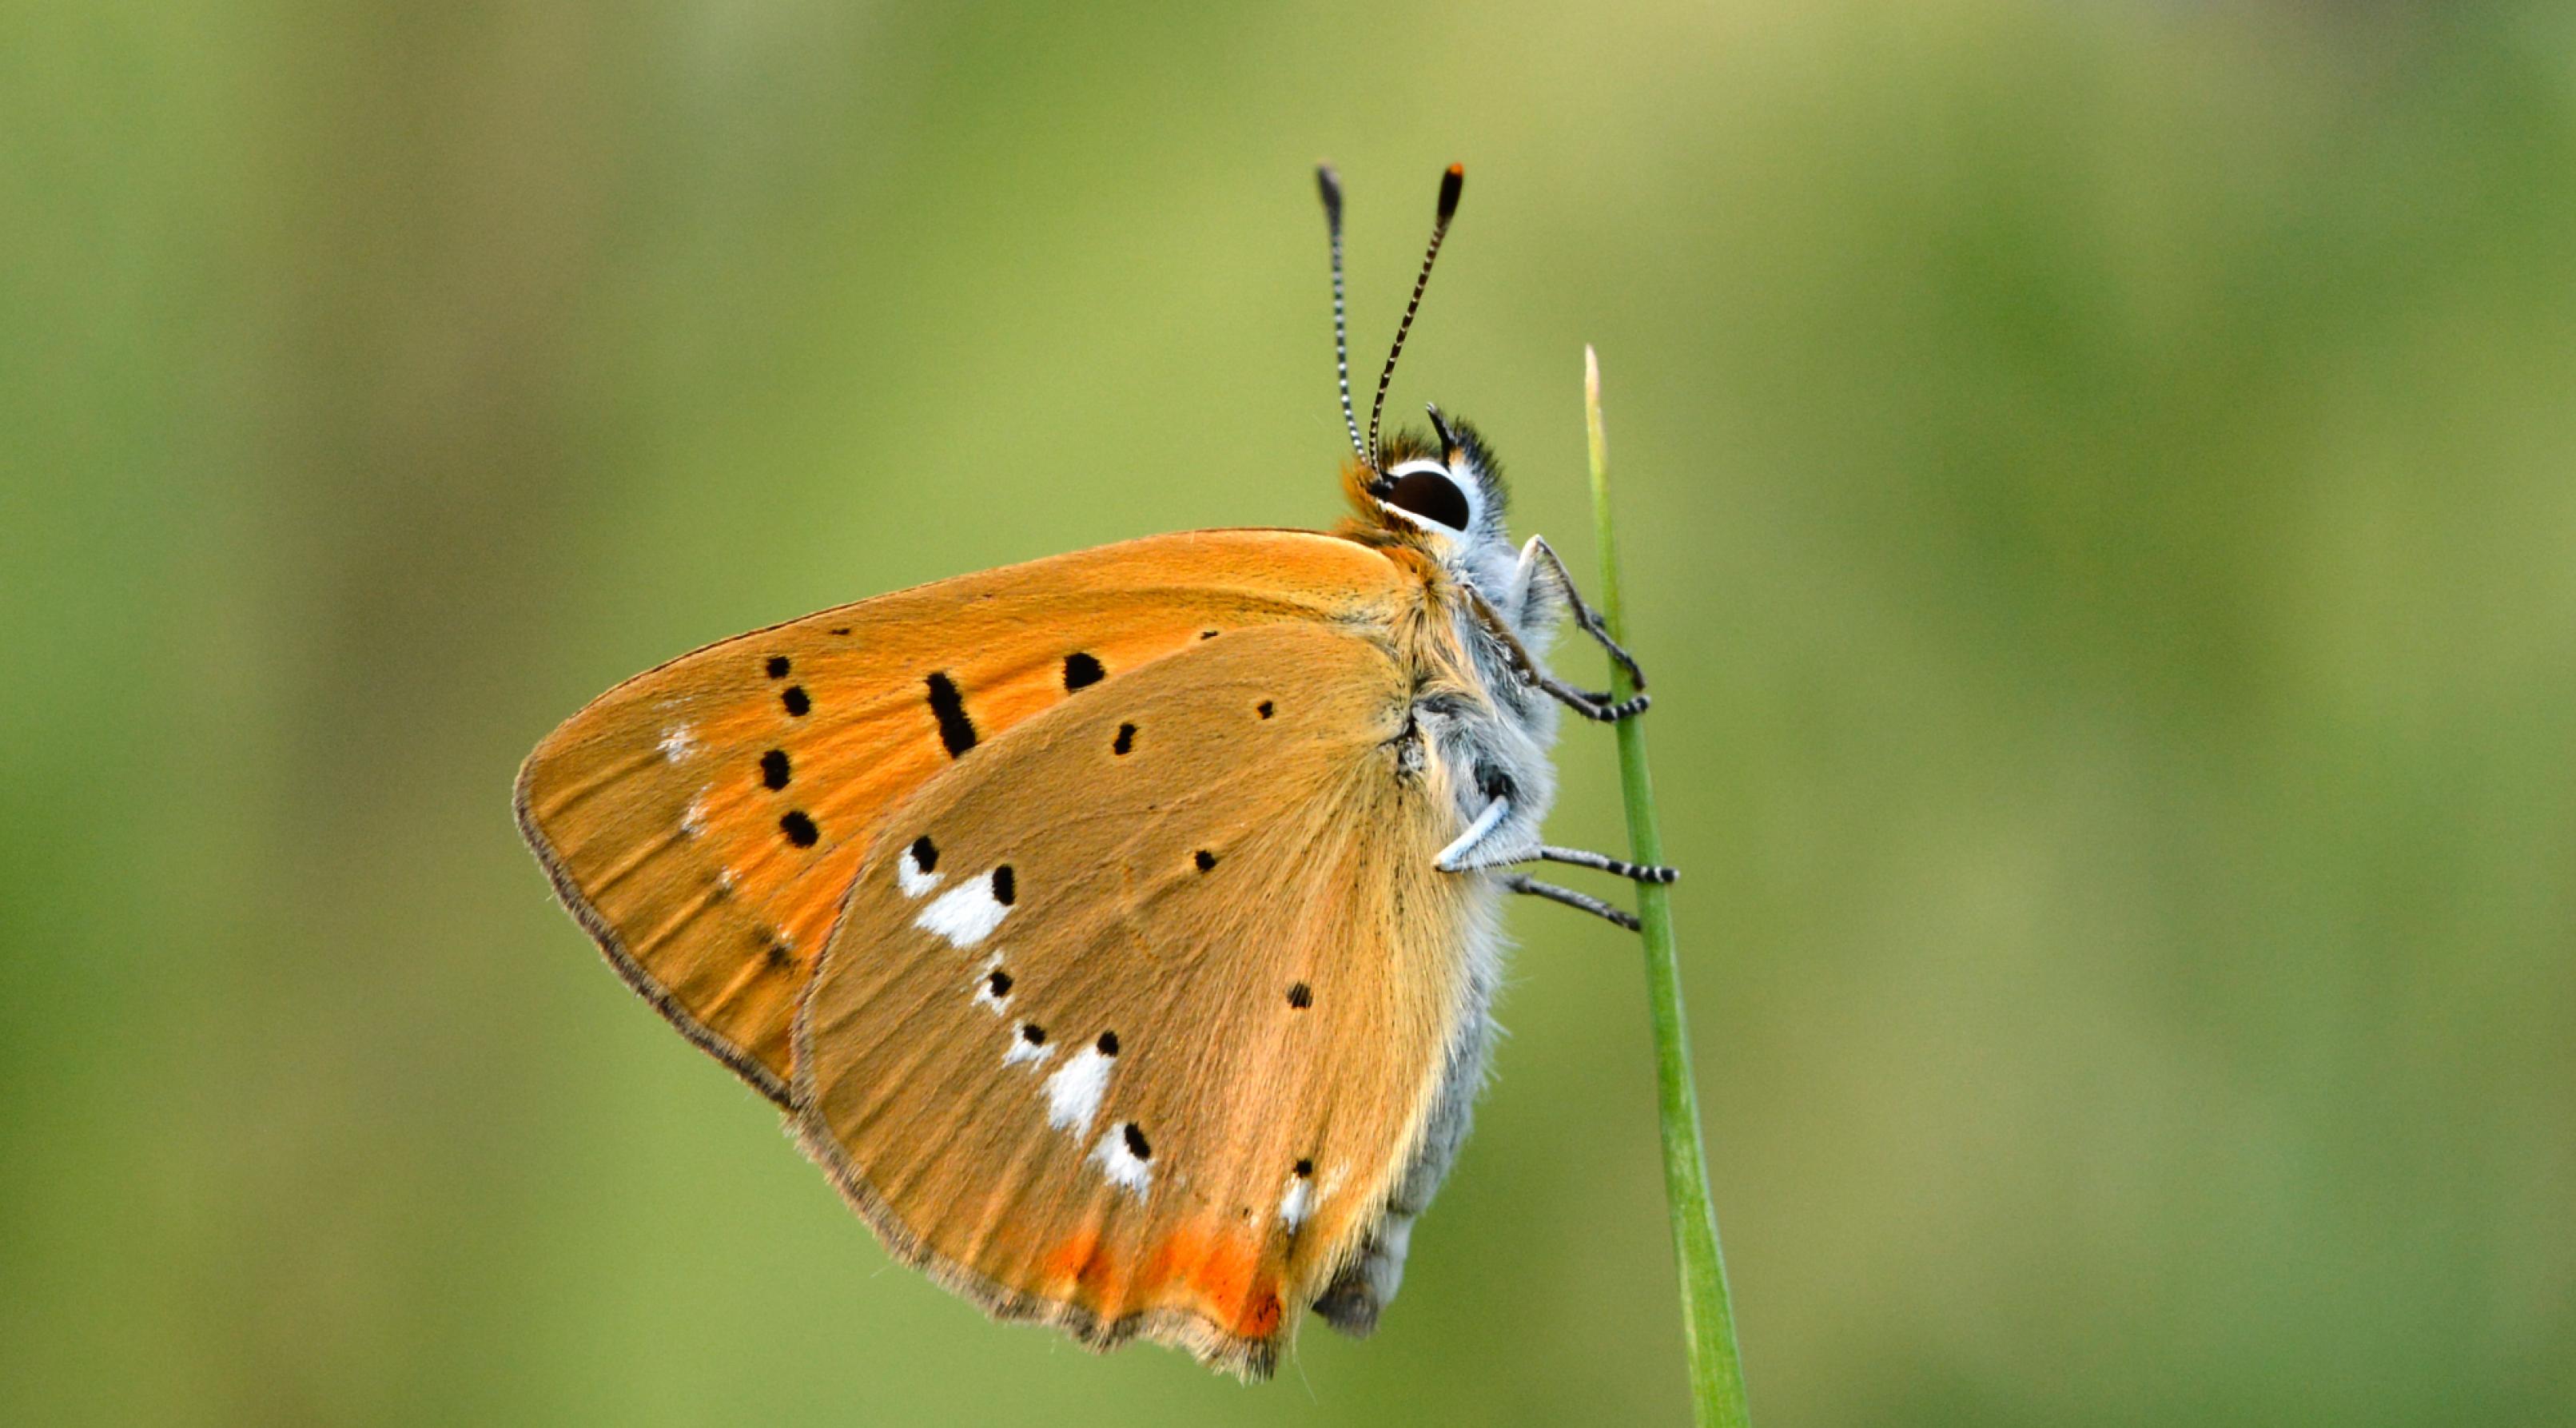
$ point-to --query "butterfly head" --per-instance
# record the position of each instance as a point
(1441, 491)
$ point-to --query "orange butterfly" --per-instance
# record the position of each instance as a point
(1117, 930)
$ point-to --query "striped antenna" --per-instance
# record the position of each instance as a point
(1450, 185)
(1330, 183)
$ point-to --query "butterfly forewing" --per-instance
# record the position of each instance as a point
(706, 820)
(1133, 1017)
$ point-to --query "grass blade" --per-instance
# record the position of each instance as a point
(1708, 1316)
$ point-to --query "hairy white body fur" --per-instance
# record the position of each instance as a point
(1488, 749)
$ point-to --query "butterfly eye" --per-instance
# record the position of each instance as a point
(1429, 493)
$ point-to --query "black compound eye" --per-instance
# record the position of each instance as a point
(1430, 495)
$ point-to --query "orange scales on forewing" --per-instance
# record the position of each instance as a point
(705, 820)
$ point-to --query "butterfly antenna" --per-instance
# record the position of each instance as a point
(1330, 183)
(1450, 185)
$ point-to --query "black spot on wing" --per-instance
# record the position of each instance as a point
(1108, 1043)
(1300, 995)
(925, 854)
(1000, 982)
(1265, 709)
(1135, 1138)
(1204, 859)
(949, 708)
(778, 666)
(840, 629)
(795, 700)
(773, 768)
(1207, 634)
(1032, 1033)
(1126, 741)
(1081, 670)
(800, 830)
(1303, 1169)
(1006, 887)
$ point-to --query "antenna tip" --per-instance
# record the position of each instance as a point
(1329, 184)
(1451, 183)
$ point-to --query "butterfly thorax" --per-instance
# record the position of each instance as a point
(1436, 507)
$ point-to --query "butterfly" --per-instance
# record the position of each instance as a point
(1117, 931)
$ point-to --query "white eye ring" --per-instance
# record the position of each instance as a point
(1430, 505)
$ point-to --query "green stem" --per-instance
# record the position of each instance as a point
(1708, 1317)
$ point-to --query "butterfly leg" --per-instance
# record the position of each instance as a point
(1596, 707)
(1488, 844)
(1539, 560)
(1473, 849)
(1481, 847)
(1523, 883)
(1592, 706)
(1602, 862)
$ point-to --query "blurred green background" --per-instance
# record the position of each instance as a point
(2097, 494)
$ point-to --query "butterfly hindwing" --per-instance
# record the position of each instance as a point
(1133, 1019)
(705, 820)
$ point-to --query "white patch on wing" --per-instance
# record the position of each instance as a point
(1297, 1203)
(693, 820)
(1121, 1164)
(965, 914)
(985, 996)
(911, 876)
(1073, 1093)
(1023, 1049)
(678, 742)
